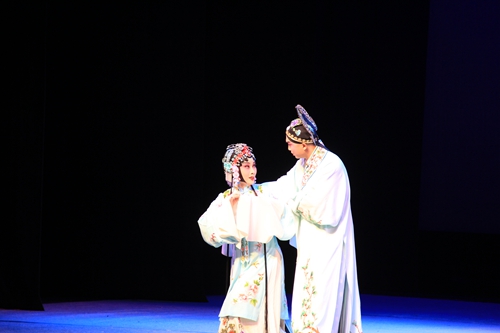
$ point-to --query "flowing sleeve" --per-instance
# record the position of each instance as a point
(324, 201)
(262, 217)
(284, 188)
(279, 193)
(217, 224)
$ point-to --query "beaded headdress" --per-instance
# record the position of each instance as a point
(235, 155)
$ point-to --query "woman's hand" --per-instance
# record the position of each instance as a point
(234, 197)
(233, 200)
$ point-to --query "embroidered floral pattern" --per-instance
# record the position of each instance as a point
(256, 264)
(251, 289)
(308, 216)
(308, 317)
(230, 325)
(313, 163)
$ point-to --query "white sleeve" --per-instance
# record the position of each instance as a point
(324, 201)
(217, 224)
(284, 188)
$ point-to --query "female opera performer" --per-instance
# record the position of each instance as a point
(250, 222)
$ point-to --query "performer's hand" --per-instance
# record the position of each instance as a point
(234, 197)
(233, 200)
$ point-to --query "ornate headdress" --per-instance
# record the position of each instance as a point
(235, 155)
(303, 129)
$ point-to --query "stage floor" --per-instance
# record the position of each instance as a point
(379, 313)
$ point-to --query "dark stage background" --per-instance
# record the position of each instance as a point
(119, 115)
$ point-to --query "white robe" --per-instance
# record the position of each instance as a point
(325, 293)
(259, 220)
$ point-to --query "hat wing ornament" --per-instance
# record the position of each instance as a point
(310, 125)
